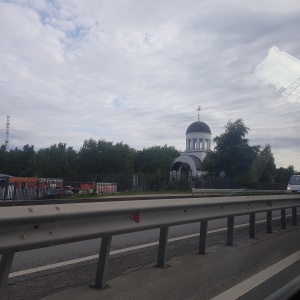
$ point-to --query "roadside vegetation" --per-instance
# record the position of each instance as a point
(232, 156)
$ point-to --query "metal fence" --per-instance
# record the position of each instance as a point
(166, 182)
(57, 190)
(17, 188)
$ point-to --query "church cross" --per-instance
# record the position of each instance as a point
(199, 108)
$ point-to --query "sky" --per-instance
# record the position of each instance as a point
(136, 71)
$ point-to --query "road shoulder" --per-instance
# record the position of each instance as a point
(195, 276)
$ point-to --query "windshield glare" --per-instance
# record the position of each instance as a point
(294, 180)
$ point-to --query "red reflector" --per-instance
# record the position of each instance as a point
(270, 203)
(136, 216)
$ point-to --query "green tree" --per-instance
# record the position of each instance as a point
(267, 167)
(28, 162)
(119, 159)
(18, 162)
(14, 162)
(4, 160)
(233, 154)
(71, 159)
(263, 167)
(89, 158)
(155, 159)
(209, 163)
(282, 175)
(104, 157)
(57, 161)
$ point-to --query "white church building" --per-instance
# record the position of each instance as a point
(198, 143)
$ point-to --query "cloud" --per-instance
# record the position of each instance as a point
(136, 71)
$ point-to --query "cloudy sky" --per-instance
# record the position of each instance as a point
(135, 71)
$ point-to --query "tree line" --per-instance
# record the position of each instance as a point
(93, 158)
(232, 157)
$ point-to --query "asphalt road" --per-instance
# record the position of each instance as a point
(251, 269)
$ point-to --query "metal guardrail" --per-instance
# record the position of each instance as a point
(119, 197)
(31, 227)
(216, 191)
(237, 191)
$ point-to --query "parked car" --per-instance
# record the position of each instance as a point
(293, 184)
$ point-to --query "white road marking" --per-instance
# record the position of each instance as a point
(87, 258)
(252, 282)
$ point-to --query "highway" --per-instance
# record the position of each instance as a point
(75, 273)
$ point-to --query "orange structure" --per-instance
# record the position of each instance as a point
(34, 182)
(23, 182)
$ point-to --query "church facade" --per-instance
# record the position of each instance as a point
(198, 143)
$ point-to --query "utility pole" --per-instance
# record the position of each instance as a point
(7, 132)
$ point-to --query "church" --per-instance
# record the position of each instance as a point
(198, 143)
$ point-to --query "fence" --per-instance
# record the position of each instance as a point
(17, 188)
(165, 182)
(39, 189)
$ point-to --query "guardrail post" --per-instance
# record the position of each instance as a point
(102, 261)
(252, 225)
(163, 239)
(230, 227)
(202, 240)
(283, 218)
(269, 222)
(294, 212)
(5, 266)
